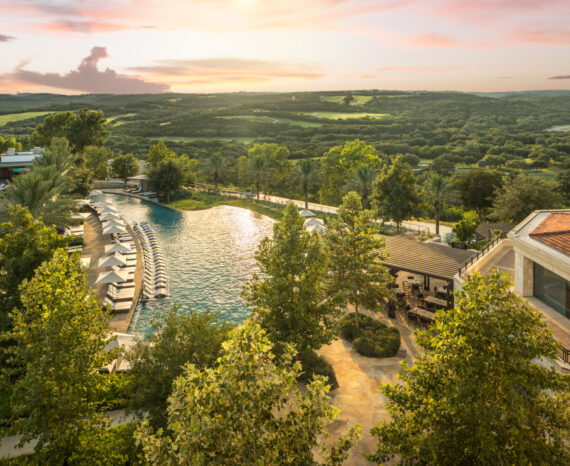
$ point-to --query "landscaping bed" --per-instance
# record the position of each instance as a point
(313, 364)
(372, 338)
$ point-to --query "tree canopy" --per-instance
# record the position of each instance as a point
(59, 331)
(480, 393)
(355, 249)
(288, 296)
(178, 338)
(125, 165)
(166, 178)
(246, 410)
(395, 193)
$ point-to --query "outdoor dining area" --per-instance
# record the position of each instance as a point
(423, 276)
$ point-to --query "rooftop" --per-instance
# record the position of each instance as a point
(432, 259)
(554, 231)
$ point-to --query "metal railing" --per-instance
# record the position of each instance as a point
(490, 245)
(565, 355)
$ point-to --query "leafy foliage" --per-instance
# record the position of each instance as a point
(465, 228)
(24, 244)
(59, 331)
(395, 192)
(479, 394)
(166, 178)
(288, 296)
(125, 165)
(477, 189)
(523, 195)
(178, 338)
(355, 249)
(371, 338)
(438, 191)
(246, 410)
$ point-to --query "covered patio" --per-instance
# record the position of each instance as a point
(424, 272)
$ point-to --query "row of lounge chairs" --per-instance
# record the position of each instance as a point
(155, 278)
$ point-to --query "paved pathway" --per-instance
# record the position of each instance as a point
(359, 380)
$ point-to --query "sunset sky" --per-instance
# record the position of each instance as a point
(139, 46)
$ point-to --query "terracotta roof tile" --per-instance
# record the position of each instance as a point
(554, 231)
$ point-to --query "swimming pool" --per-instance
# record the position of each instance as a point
(210, 255)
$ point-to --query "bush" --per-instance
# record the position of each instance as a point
(372, 338)
(313, 364)
(115, 391)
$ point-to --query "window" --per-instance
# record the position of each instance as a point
(551, 289)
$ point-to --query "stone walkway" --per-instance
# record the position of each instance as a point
(359, 380)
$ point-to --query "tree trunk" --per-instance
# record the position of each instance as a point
(356, 315)
(437, 209)
(398, 227)
(306, 192)
(365, 202)
(257, 187)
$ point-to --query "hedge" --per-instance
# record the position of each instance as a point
(372, 338)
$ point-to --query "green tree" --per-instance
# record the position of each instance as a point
(395, 193)
(8, 142)
(270, 165)
(159, 152)
(97, 160)
(338, 165)
(362, 182)
(288, 295)
(166, 178)
(523, 195)
(563, 180)
(42, 191)
(57, 155)
(82, 128)
(246, 410)
(177, 339)
(60, 331)
(444, 165)
(24, 244)
(477, 189)
(258, 166)
(307, 171)
(355, 248)
(124, 165)
(213, 167)
(465, 228)
(479, 394)
(438, 191)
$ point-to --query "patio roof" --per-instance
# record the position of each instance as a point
(431, 259)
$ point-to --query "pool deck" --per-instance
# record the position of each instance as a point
(94, 243)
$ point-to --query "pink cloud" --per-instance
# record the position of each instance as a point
(87, 78)
(542, 36)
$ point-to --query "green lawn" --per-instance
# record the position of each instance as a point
(244, 140)
(20, 116)
(339, 99)
(267, 119)
(346, 116)
(112, 120)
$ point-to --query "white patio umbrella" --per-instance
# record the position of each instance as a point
(95, 193)
(112, 260)
(110, 216)
(82, 201)
(314, 221)
(316, 227)
(306, 213)
(117, 247)
(112, 276)
(106, 210)
(102, 203)
(114, 229)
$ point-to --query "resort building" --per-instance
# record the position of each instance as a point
(13, 162)
(536, 254)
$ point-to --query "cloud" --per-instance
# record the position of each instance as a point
(427, 69)
(218, 70)
(87, 78)
(562, 76)
(4, 38)
(550, 36)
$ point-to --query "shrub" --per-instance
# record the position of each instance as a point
(372, 338)
(313, 364)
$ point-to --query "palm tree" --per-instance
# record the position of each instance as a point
(41, 191)
(214, 165)
(363, 182)
(307, 171)
(258, 165)
(438, 191)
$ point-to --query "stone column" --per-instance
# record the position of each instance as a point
(524, 271)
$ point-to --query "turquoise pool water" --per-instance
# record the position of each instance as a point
(210, 255)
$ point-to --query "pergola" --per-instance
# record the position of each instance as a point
(431, 260)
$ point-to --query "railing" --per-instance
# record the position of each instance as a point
(565, 355)
(490, 245)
